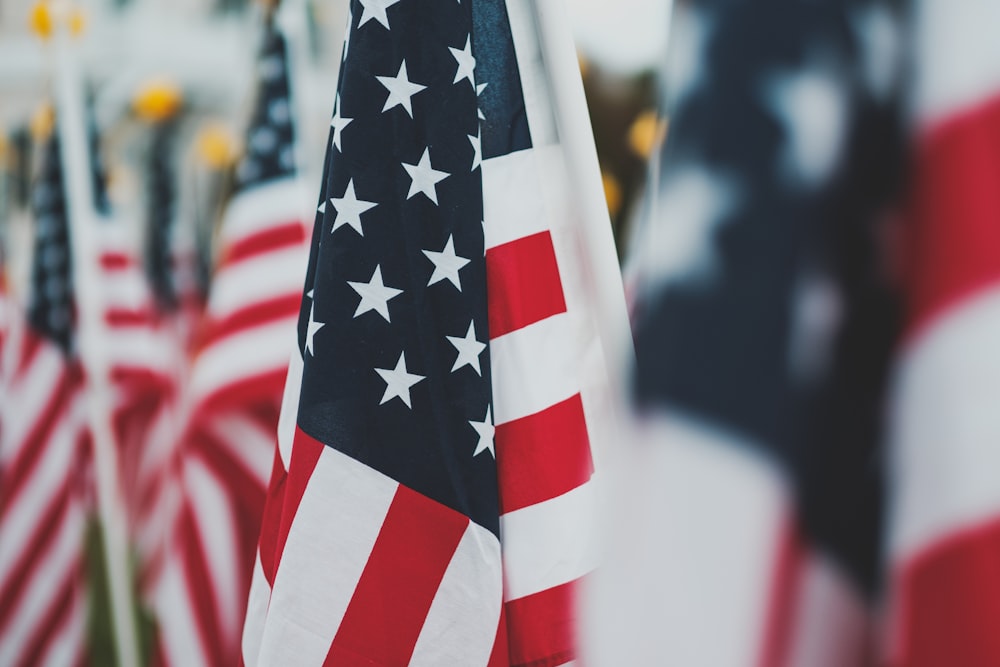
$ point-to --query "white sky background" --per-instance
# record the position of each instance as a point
(623, 36)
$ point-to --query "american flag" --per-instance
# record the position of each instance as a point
(943, 536)
(751, 528)
(43, 446)
(432, 495)
(236, 381)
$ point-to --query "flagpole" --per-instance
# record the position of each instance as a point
(576, 138)
(91, 333)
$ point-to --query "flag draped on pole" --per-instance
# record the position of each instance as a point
(944, 481)
(43, 452)
(236, 382)
(431, 502)
(750, 530)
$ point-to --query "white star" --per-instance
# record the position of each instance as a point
(374, 294)
(375, 9)
(479, 91)
(349, 209)
(424, 178)
(486, 431)
(477, 149)
(313, 327)
(813, 107)
(398, 381)
(322, 207)
(338, 123)
(446, 264)
(693, 206)
(469, 350)
(347, 33)
(466, 63)
(401, 89)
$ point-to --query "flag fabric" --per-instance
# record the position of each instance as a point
(236, 385)
(750, 522)
(432, 495)
(944, 485)
(43, 453)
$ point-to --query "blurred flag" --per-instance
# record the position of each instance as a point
(43, 443)
(944, 485)
(237, 376)
(450, 381)
(749, 530)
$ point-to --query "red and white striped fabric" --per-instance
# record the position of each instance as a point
(43, 503)
(944, 540)
(552, 411)
(236, 383)
(146, 362)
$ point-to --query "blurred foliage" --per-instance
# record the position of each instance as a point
(101, 642)
(622, 112)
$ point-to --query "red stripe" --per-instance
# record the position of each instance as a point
(500, 656)
(259, 314)
(271, 522)
(269, 240)
(542, 626)
(200, 592)
(129, 317)
(523, 283)
(264, 388)
(786, 584)
(953, 208)
(305, 454)
(31, 346)
(949, 602)
(117, 260)
(543, 455)
(383, 620)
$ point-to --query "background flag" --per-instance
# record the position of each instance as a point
(43, 452)
(944, 485)
(750, 527)
(453, 381)
(236, 382)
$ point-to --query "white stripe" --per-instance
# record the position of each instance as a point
(262, 349)
(958, 56)
(694, 535)
(125, 289)
(249, 282)
(214, 518)
(244, 440)
(253, 625)
(331, 537)
(175, 614)
(261, 208)
(945, 471)
(461, 624)
(509, 216)
(550, 543)
(290, 406)
(47, 576)
(48, 479)
(539, 365)
(143, 348)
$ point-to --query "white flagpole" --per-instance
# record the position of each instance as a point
(91, 332)
(576, 137)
